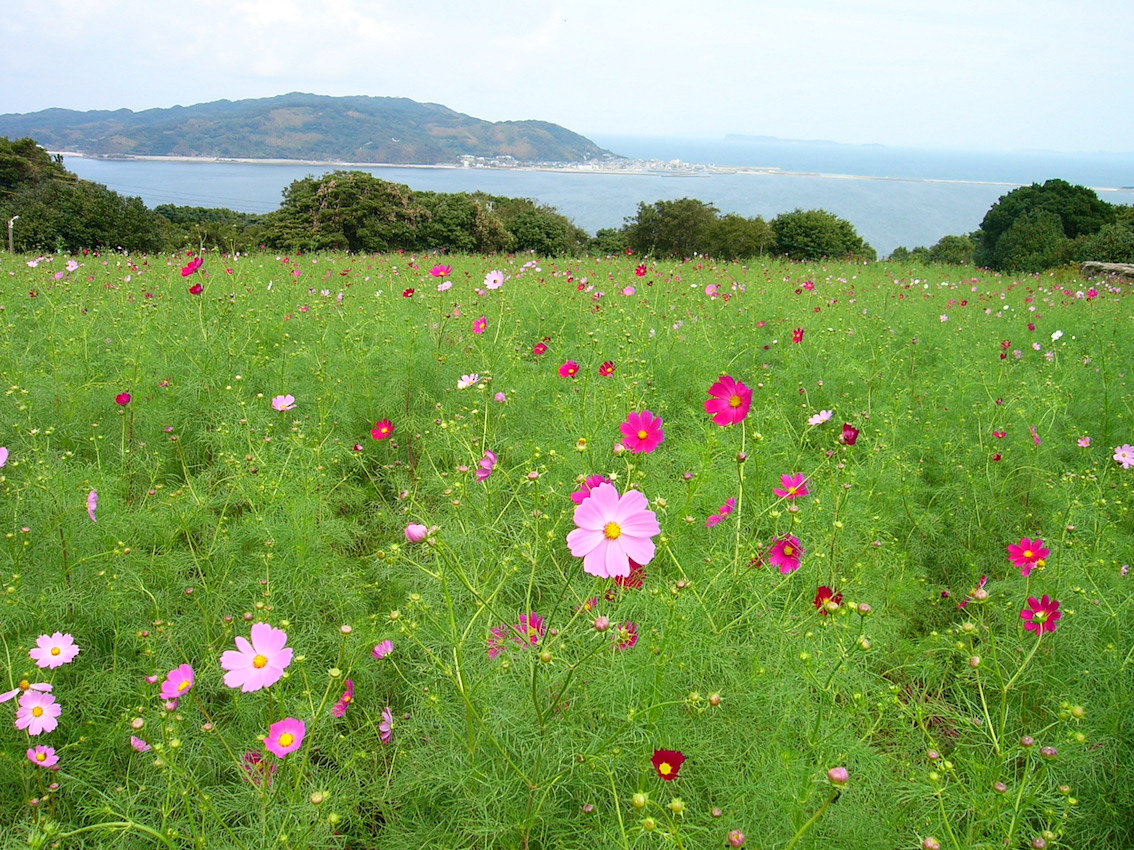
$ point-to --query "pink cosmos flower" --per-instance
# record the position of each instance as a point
(54, 650)
(486, 465)
(386, 727)
(820, 417)
(283, 402)
(1125, 456)
(569, 369)
(192, 266)
(285, 736)
(37, 712)
(1027, 555)
(1084, 442)
(139, 745)
(494, 279)
(340, 707)
(480, 325)
(122, 399)
(382, 429)
(539, 348)
(786, 554)
(642, 431)
(795, 487)
(92, 505)
(416, 532)
(25, 685)
(3, 456)
(259, 663)
(467, 381)
(43, 756)
(593, 481)
(178, 682)
(1042, 615)
(611, 530)
(383, 649)
(441, 270)
(731, 400)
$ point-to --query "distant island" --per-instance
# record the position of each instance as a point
(297, 126)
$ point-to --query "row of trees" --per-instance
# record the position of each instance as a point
(1040, 227)
(1029, 229)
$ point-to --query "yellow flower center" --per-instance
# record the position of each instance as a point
(1029, 554)
(24, 685)
(41, 756)
(184, 686)
(260, 661)
(643, 434)
(287, 739)
(735, 401)
(55, 650)
(38, 711)
(664, 768)
(789, 550)
(612, 531)
(1041, 563)
(792, 490)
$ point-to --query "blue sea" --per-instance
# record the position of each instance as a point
(893, 196)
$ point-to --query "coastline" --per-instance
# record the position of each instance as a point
(653, 168)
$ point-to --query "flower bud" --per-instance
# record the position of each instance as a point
(416, 532)
(838, 775)
(931, 843)
(736, 838)
(638, 801)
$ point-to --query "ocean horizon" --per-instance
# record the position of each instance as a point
(893, 196)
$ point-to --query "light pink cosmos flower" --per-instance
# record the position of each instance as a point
(494, 279)
(795, 487)
(386, 727)
(486, 465)
(284, 402)
(139, 745)
(821, 417)
(642, 432)
(259, 663)
(25, 685)
(383, 649)
(467, 381)
(285, 736)
(54, 650)
(612, 529)
(178, 682)
(37, 712)
(92, 505)
(731, 400)
(42, 756)
(1084, 442)
(786, 554)
(1125, 455)
(340, 707)
(3, 456)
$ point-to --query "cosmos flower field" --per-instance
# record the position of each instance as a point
(404, 551)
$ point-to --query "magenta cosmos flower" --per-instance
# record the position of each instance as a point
(1028, 554)
(480, 325)
(285, 736)
(588, 485)
(569, 369)
(795, 487)
(786, 554)
(731, 400)
(1042, 615)
(340, 707)
(383, 649)
(486, 465)
(382, 429)
(178, 682)
(122, 399)
(386, 727)
(259, 663)
(92, 505)
(37, 712)
(612, 529)
(642, 431)
(440, 270)
(54, 650)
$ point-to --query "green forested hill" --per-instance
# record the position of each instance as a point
(302, 126)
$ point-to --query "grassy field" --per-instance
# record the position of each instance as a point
(340, 541)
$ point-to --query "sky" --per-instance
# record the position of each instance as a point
(978, 74)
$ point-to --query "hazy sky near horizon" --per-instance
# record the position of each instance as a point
(991, 74)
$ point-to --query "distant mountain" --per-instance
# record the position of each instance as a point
(302, 126)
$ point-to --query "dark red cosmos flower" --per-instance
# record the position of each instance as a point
(849, 436)
(797, 335)
(823, 595)
(641, 270)
(196, 289)
(122, 399)
(408, 293)
(667, 763)
(636, 578)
